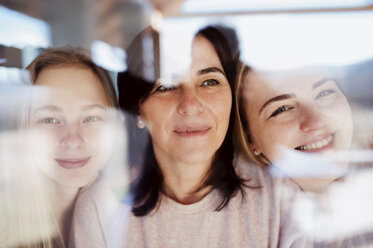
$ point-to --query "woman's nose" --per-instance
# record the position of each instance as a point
(72, 138)
(311, 119)
(190, 103)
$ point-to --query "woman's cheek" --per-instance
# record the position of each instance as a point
(276, 138)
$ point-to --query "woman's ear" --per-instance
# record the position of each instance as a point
(140, 122)
(255, 150)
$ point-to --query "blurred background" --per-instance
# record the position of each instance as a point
(274, 35)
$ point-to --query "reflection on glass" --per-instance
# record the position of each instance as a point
(302, 110)
(53, 138)
(67, 125)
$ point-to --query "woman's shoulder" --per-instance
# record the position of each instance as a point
(100, 218)
(269, 199)
(256, 174)
(266, 178)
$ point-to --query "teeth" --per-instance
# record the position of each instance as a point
(317, 145)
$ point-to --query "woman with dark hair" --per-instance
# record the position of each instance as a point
(219, 171)
(189, 193)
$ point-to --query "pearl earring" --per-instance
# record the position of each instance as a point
(140, 123)
(256, 153)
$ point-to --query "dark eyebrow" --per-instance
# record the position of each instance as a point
(276, 98)
(321, 82)
(93, 106)
(208, 70)
(48, 107)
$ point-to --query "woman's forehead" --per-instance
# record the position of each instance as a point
(203, 54)
(203, 58)
(290, 79)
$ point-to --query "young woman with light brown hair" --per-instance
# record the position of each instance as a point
(302, 112)
(70, 115)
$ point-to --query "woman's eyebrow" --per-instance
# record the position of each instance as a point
(275, 99)
(208, 70)
(321, 82)
(93, 106)
(48, 107)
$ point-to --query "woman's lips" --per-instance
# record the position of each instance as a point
(192, 131)
(73, 163)
(321, 144)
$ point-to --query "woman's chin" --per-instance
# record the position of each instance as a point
(312, 171)
(316, 184)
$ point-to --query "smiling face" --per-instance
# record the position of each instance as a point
(303, 110)
(188, 121)
(74, 116)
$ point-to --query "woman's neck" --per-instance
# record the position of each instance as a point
(182, 181)
(183, 190)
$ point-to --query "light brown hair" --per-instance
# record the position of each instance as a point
(39, 226)
(242, 134)
(69, 56)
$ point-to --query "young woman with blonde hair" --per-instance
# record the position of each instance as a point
(64, 141)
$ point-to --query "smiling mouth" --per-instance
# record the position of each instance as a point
(73, 163)
(190, 131)
(317, 145)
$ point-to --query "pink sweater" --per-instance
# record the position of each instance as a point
(259, 219)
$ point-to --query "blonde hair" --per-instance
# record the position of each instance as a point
(242, 135)
(69, 56)
(29, 220)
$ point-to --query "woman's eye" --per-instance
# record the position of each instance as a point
(49, 120)
(210, 82)
(91, 119)
(164, 88)
(280, 110)
(325, 93)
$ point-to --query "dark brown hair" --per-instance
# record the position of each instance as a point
(222, 175)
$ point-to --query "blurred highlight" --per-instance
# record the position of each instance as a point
(33, 184)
